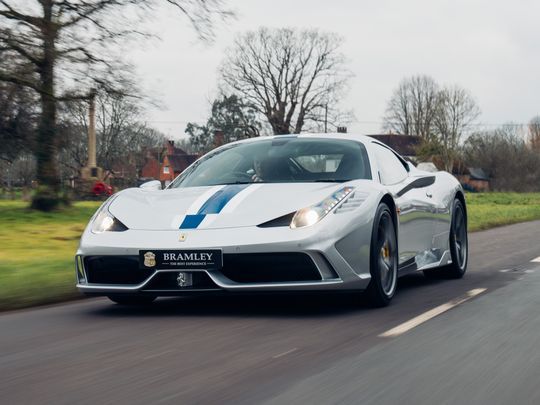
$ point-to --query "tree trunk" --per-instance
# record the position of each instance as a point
(47, 196)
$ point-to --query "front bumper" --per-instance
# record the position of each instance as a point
(335, 268)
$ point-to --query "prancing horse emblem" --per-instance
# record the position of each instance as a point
(184, 279)
(149, 259)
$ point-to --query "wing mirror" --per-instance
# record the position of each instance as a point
(423, 182)
(153, 185)
(419, 182)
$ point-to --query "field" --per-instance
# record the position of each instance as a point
(37, 249)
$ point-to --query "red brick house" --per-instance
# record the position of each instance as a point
(167, 163)
(152, 165)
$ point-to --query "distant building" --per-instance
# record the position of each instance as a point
(152, 164)
(164, 164)
(472, 178)
(175, 161)
(405, 145)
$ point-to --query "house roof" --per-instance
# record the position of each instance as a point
(477, 173)
(403, 144)
(179, 151)
(180, 161)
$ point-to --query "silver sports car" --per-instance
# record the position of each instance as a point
(283, 213)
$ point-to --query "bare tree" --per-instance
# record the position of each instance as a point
(534, 133)
(61, 49)
(289, 76)
(412, 108)
(456, 110)
(122, 135)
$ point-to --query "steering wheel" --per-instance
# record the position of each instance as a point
(239, 174)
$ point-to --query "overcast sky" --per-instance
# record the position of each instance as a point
(491, 47)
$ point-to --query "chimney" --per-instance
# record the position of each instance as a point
(219, 138)
(170, 147)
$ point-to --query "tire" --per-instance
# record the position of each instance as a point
(459, 246)
(132, 299)
(383, 259)
(459, 242)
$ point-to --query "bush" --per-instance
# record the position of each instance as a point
(505, 156)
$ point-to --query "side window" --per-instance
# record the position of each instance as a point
(391, 169)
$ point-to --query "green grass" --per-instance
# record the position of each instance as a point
(37, 249)
(488, 210)
(36, 253)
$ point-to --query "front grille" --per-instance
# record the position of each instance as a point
(115, 270)
(269, 267)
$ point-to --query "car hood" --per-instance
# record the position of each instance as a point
(215, 207)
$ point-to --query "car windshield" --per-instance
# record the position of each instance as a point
(279, 160)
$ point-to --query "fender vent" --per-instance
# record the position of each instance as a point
(353, 202)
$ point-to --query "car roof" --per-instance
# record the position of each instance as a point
(332, 135)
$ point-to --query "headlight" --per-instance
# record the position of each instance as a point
(311, 215)
(104, 221)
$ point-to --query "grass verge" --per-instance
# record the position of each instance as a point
(36, 253)
(489, 210)
(37, 249)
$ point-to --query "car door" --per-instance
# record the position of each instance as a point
(413, 198)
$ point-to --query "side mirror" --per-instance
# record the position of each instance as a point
(423, 182)
(420, 182)
(154, 185)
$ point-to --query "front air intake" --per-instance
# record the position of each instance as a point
(269, 267)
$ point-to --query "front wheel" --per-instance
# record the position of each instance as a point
(132, 299)
(383, 258)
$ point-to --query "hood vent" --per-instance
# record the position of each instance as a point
(284, 220)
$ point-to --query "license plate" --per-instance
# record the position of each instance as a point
(200, 259)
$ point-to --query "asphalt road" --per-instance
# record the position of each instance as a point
(300, 349)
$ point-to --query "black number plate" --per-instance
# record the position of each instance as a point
(200, 259)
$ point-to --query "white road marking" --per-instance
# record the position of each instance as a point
(432, 313)
(536, 260)
(504, 270)
(277, 356)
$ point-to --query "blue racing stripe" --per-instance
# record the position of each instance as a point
(192, 221)
(215, 204)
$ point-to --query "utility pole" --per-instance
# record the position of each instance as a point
(92, 132)
(326, 118)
